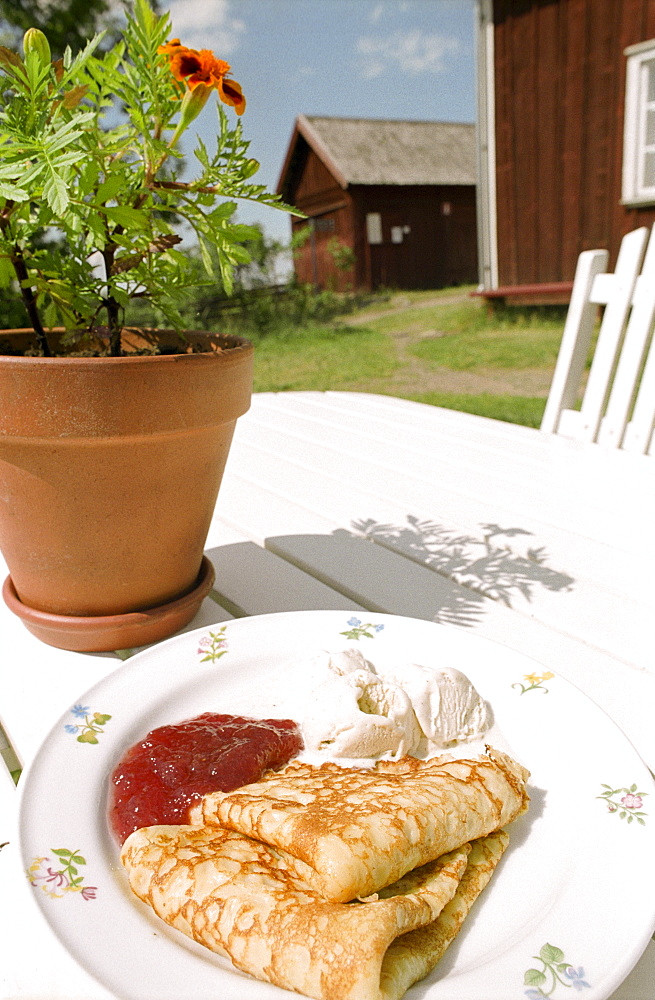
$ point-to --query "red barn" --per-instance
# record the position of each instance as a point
(566, 102)
(388, 203)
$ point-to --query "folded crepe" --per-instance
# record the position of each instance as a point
(244, 900)
(350, 831)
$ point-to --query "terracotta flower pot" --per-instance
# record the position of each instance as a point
(109, 473)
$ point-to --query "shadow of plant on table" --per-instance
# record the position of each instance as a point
(481, 564)
(379, 579)
(420, 569)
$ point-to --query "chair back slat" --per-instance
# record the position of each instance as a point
(618, 406)
(639, 435)
(638, 336)
(576, 338)
(610, 337)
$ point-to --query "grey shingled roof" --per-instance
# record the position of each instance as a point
(381, 151)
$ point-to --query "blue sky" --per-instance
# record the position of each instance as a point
(351, 58)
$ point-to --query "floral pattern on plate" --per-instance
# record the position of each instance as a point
(359, 629)
(89, 729)
(628, 806)
(213, 645)
(555, 972)
(535, 682)
(55, 881)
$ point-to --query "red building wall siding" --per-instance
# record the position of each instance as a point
(438, 223)
(330, 226)
(559, 93)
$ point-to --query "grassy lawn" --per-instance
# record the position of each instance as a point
(439, 347)
(322, 357)
(527, 410)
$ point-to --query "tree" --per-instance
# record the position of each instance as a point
(65, 22)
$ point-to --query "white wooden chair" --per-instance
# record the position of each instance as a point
(618, 405)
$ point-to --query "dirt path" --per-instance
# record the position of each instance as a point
(415, 376)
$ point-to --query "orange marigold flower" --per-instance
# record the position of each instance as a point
(195, 67)
(170, 46)
(230, 93)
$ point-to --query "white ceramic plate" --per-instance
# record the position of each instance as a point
(571, 906)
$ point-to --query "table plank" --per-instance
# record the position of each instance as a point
(251, 580)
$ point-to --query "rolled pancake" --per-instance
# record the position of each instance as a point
(241, 900)
(352, 831)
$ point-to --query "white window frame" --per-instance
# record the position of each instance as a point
(637, 105)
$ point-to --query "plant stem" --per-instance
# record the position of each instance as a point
(112, 306)
(26, 290)
(113, 321)
(30, 301)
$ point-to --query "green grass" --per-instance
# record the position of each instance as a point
(472, 350)
(399, 342)
(527, 410)
(465, 336)
(322, 358)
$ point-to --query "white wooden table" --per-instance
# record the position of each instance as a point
(367, 503)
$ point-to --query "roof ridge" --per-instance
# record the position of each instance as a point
(400, 121)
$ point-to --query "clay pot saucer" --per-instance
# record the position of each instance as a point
(103, 633)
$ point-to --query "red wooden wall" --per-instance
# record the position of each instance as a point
(438, 248)
(559, 93)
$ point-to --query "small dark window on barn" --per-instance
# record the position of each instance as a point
(639, 132)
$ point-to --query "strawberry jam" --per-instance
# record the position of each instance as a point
(160, 778)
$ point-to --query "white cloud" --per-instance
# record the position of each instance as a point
(384, 8)
(207, 24)
(411, 51)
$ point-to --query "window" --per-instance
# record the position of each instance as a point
(323, 225)
(639, 132)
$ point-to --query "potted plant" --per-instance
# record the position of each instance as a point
(113, 439)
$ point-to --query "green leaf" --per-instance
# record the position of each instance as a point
(101, 719)
(13, 193)
(62, 852)
(109, 188)
(56, 193)
(550, 954)
(206, 257)
(240, 233)
(238, 255)
(129, 218)
(534, 977)
(7, 273)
